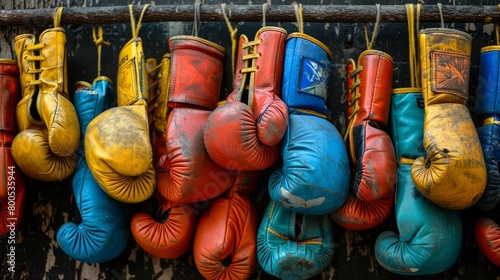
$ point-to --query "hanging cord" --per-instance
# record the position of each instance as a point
(57, 16)
(440, 8)
(136, 28)
(197, 19)
(369, 45)
(298, 15)
(264, 11)
(419, 9)
(99, 42)
(233, 33)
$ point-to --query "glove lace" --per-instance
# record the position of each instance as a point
(354, 103)
(34, 57)
(250, 48)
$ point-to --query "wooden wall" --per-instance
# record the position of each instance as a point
(49, 205)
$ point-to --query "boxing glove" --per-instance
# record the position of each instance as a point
(487, 235)
(186, 173)
(103, 232)
(244, 133)
(429, 237)
(225, 240)
(371, 152)
(486, 229)
(117, 142)
(291, 245)
(487, 114)
(453, 172)
(314, 176)
(12, 188)
(169, 234)
(49, 132)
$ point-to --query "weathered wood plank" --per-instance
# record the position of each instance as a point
(249, 13)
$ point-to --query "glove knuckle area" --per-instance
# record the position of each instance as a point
(272, 123)
(127, 189)
(170, 238)
(486, 232)
(230, 225)
(119, 136)
(356, 214)
(42, 165)
(292, 246)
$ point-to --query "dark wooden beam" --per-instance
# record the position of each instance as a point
(249, 13)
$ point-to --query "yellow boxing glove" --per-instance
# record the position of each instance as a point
(117, 142)
(453, 175)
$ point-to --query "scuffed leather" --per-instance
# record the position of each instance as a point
(428, 237)
(49, 132)
(453, 174)
(314, 176)
(117, 142)
(104, 231)
(253, 119)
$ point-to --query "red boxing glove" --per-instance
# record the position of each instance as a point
(186, 173)
(372, 155)
(245, 132)
(169, 234)
(12, 188)
(225, 241)
(487, 234)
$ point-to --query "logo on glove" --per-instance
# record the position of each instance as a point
(314, 78)
(298, 202)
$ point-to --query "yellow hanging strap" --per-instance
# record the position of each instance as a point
(99, 42)
(136, 28)
(57, 16)
(417, 65)
(233, 33)
(414, 68)
(369, 43)
(298, 15)
(440, 8)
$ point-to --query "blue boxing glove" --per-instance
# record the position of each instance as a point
(488, 115)
(294, 246)
(314, 177)
(430, 237)
(104, 231)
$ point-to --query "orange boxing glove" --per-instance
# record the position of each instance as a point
(225, 240)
